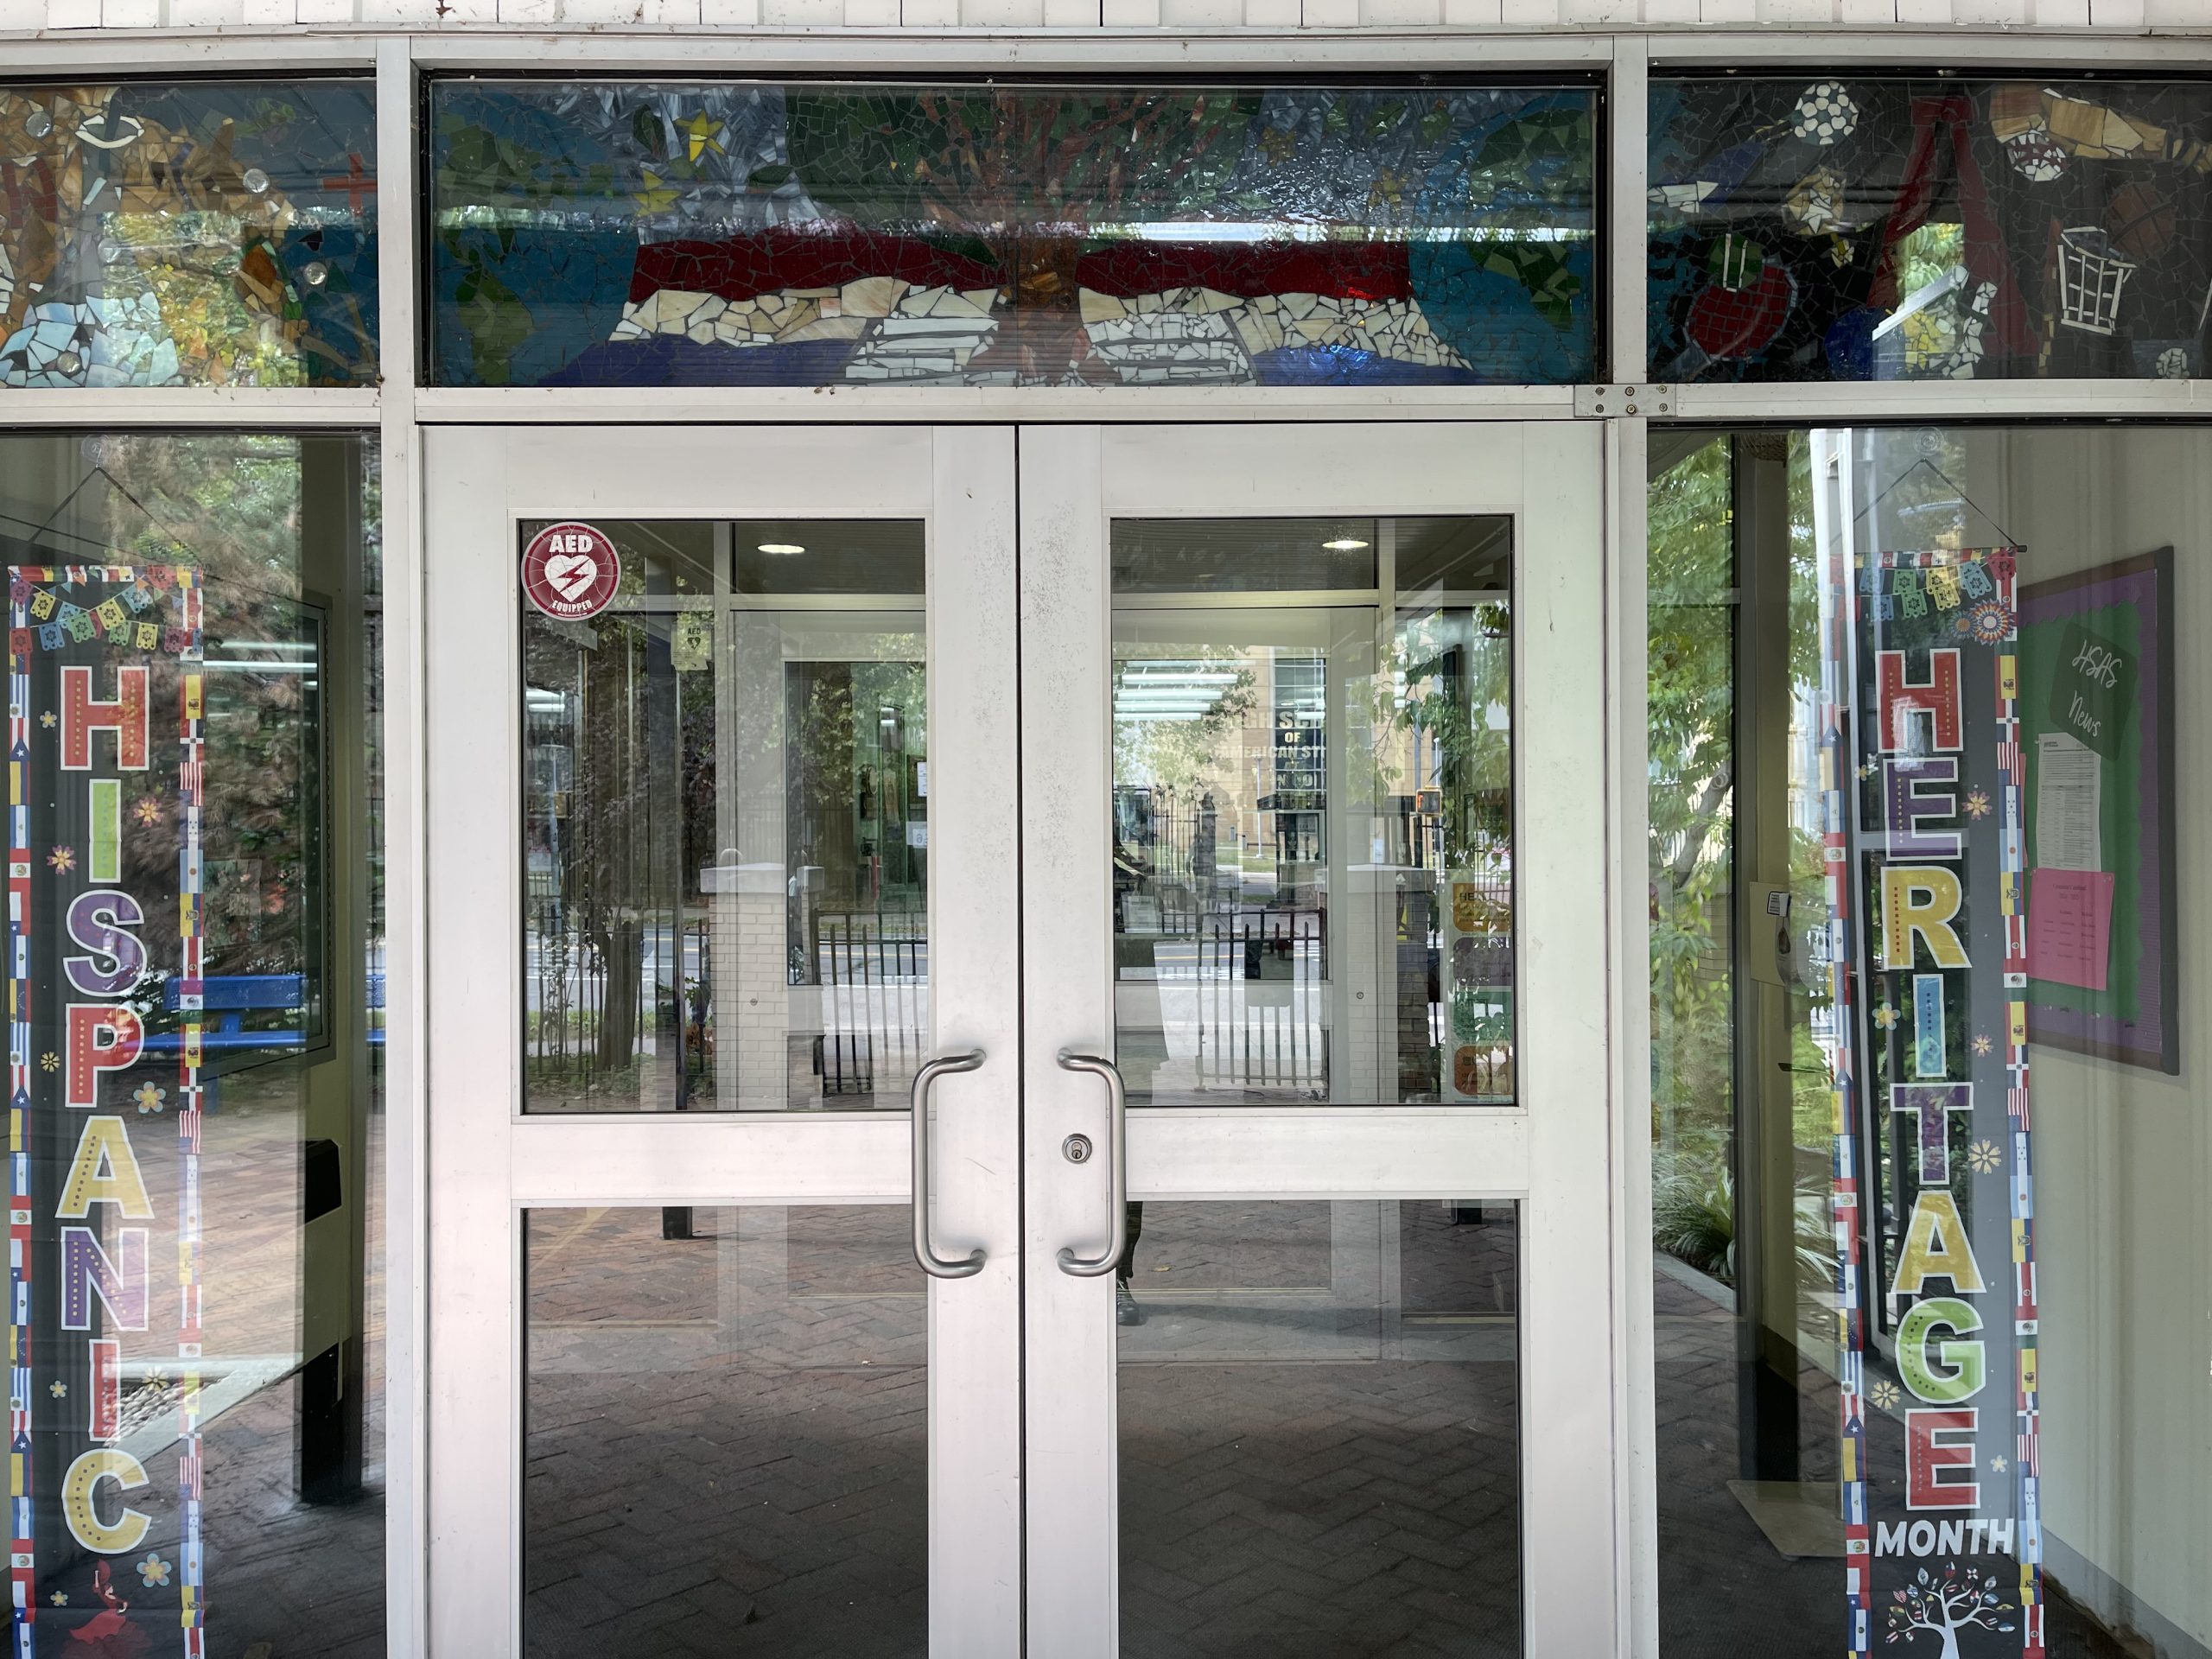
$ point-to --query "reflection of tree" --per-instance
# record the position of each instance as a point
(1451, 685)
(836, 762)
(614, 826)
(1178, 755)
(230, 506)
(1026, 176)
(1691, 707)
(1960, 1599)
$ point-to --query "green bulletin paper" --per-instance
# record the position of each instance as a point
(2096, 665)
(2092, 677)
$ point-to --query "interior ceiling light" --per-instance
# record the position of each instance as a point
(780, 548)
(1343, 545)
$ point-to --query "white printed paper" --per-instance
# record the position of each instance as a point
(2069, 803)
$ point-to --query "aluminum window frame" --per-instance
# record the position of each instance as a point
(399, 408)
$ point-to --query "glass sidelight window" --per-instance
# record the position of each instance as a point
(1312, 827)
(815, 233)
(195, 986)
(726, 825)
(1930, 1264)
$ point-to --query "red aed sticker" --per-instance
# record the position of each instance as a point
(570, 571)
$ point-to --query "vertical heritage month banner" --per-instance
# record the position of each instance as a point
(1924, 844)
(105, 686)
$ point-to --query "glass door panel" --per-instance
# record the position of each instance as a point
(726, 825)
(1280, 1391)
(727, 1432)
(1319, 1429)
(696, 959)
(1298, 787)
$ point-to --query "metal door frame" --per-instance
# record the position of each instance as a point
(488, 1163)
(1556, 1152)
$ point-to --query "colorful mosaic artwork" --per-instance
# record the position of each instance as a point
(1897, 230)
(744, 234)
(188, 234)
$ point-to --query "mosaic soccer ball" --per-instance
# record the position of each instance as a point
(1825, 114)
(2036, 157)
(2173, 363)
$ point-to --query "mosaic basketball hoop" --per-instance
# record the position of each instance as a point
(2090, 279)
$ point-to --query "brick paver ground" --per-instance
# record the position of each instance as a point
(284, 1579)
(727, 1449)
(1723, 1591)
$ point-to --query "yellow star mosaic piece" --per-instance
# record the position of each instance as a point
(658, 196)
(701, 134)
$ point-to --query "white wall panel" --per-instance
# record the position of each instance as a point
(1002, 14)
(1401, 13)
(2130, 17)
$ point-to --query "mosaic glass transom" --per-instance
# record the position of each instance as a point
(198, 233)
(597, 234)
(1812, 229)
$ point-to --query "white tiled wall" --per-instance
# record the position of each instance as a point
(2119, 15)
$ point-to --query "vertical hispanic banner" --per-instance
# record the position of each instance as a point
(1922, 778)
(104, 1050)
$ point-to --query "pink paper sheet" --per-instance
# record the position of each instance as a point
(2069, 926)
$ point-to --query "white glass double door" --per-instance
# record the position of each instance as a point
(1206, 825)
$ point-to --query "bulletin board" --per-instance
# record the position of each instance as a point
(2097, 728)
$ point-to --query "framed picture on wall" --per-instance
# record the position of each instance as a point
(2097, 737)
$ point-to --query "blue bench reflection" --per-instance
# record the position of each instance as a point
(226, 999)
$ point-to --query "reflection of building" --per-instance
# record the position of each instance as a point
(1297, 797)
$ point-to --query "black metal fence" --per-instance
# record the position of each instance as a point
(874, 971)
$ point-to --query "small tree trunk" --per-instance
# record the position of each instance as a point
(621, 946)
(1044, 341)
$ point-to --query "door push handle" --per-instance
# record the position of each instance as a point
(919, 1103)
(1118, 1168)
